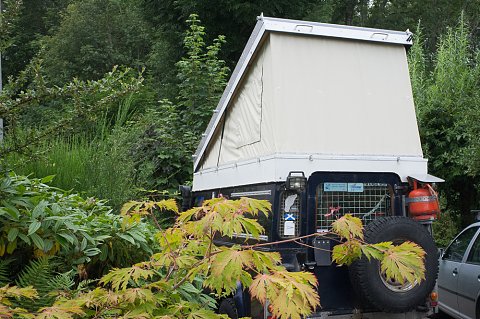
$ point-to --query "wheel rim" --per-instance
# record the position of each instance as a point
(394, 285)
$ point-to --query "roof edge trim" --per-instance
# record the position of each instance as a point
(338, 31)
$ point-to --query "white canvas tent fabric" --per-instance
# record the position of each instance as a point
(304, 99)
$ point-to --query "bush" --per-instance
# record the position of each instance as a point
(39, 220)
(174, 282)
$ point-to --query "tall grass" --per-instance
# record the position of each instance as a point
(96, 164)
(95, 168)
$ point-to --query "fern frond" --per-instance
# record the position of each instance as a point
(4, 271)
(85, 284)
(39, 274)
(62, 281)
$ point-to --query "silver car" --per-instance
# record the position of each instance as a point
(459, 275)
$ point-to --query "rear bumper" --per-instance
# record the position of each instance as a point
(371, 315)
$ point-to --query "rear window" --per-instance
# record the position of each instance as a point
(290, 204)
(366, 201)
(459, 245)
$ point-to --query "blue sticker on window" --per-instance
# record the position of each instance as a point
(355, 187)
(289, 217)
(334, 187)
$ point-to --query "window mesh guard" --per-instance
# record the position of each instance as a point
(372, 202)
(294, 212)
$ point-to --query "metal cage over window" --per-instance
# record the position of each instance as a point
(289, 217)
(366, 201)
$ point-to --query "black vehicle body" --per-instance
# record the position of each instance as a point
(297, 255)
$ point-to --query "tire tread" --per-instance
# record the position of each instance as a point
(359, 271)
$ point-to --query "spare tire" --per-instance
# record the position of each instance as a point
(371, 285)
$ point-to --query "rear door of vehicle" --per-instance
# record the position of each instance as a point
(449, 268)
(469, 280)
(331, 195)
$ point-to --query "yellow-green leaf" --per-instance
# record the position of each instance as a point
(348, 227)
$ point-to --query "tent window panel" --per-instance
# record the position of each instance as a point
(249, 110)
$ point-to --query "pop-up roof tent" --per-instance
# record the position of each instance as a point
(313, 97)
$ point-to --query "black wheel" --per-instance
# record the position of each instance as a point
(373, 287)
(227, 307)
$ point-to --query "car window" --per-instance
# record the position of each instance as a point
(457, 248)
(474, 255)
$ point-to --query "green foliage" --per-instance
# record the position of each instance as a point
(202, 77)
(9, 13)
(40, 274)
(162, 151)
(157, 287)
(5, 271)
(445, 229)
(172, 283)
(90, 166)
(41, 120)
(49, 221)
(93, 37)
(171, 130)
(35, 20)
(82, 102)
(447, 100)
(8, 294)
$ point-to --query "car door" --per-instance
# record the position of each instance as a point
(469, 281)
(448, 271)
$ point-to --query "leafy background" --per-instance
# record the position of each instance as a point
(111, 98)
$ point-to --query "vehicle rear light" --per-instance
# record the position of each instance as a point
(270, 308)
(434, 299)
(296, 181)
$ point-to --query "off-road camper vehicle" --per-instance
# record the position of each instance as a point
(319, 119)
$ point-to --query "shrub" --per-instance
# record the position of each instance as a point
(39, 220)
(173, 283)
